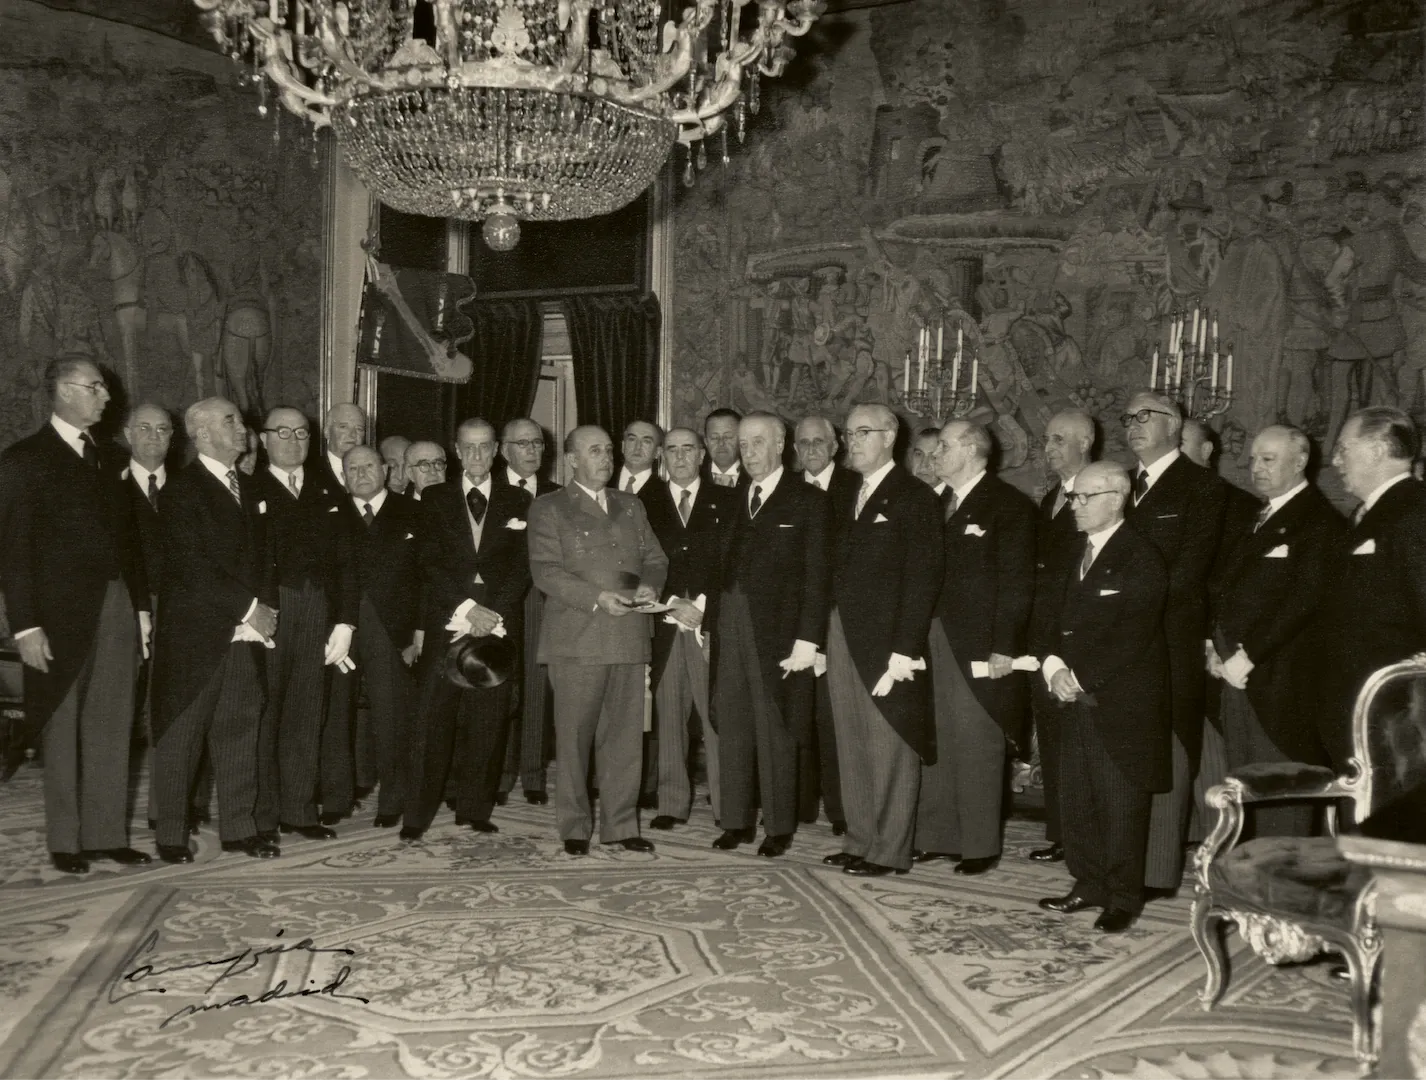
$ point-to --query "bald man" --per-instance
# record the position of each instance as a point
(425, 465)
(393, 455)
(1267, 591)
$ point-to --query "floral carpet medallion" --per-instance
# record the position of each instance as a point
(500, 956)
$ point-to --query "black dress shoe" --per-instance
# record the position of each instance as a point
(386, 821)
(773, 846)
(254, 846)
(731, 838)
(576, 847)
(69, 863)
(272, 836)
(486, 826)
(841, 858)
(331, 818)
(632, 843)
(935, 856)
(536, 798)
(124, 856)
(311, 832)
(410, 834)
(977, 866)
(667, 821)
(1066, 905)
(862, 868)
(174, 853)
(1114, 921)
(839, 828)
(1054, 853)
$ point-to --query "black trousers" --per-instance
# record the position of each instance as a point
(1105, 817)
(818, 772)
(290, 734)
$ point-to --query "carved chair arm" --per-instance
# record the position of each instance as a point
(1271, 780)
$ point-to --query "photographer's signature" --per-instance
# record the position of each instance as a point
(131, 982)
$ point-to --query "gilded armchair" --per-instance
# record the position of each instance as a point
(1295, 898)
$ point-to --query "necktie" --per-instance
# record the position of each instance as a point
(950, 502)
(1060, 501)
(1141, 483)
(725, 479)
(685, 507)
(366, 514)
(1088, 560)
(292, 483)
(233, 485)
(528, 485)
(91, 449)
(757, 502)
(153, 491)
(476, 503)
(1359, 513)
(1263, 515)
(629, 484)
(862, 496)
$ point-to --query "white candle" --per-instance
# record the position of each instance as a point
(1175, 329)
(974, 377)
(906, 374)
(1193, 338)
(1154, 371)
(1178, 372)
(956, 365)
(921, 358)
(1228, 379)
(940, 341)
(1213, 376)
(1215, 334)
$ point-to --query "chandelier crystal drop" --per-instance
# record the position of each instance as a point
(512, 109)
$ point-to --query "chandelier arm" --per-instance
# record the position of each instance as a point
(680, 59)
(576, 39)
(279, 69)
(447, 34)
(334, 46)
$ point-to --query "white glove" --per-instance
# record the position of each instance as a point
(898, 669)
(145, 632)
(1237, 668)
(339, 643)
(802, 657)
(819, 666)
(245, 632)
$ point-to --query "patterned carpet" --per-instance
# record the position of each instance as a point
(500, 956)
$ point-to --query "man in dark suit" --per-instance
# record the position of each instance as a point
(640, 448)
(522, 444)
(1069, 447)
(384, 541)
(73, 582)
(393, 456)
(1265, 593)
(595, 558)
(919, 454)
(1177, 507)
(426, 465)
(317, 594)
(218, 597)
(720, 436)
(818, 773)
(886, 573)
(691, 519)
(1104, 659)
(1374, 611)
(343, 428)
(983, 617)
(772, 618)
(477, 571)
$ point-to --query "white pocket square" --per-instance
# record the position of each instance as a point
(1108, 592)
(333, 509)
(878, 519)
(785, 525)
(974, 530)
(514, 523)
(1367, 547)
(410, 536)
(1279, 552)
(262, 507)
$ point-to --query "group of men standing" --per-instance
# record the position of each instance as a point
(914, 618)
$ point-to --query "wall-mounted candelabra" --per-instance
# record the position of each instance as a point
(935, 389)
(1195, 373)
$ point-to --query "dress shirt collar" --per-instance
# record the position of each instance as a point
(1068, 485)
(969, 486)
(678, 491)
(281, 475)
(1098, 539)
(376, 502)
(217, 468)
(822, 479)
(766, 486)
(335, 463)
(597, 496)
(1156, 470)
(141, 475)
(1372, 499)
(939, 487)
(516, 480)
(466, 485)
(873, 480)
(716, 472)
(640, 478)
(69, 433)
(1276, 504)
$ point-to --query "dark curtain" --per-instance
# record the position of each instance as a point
(506, 353)
(614, 340)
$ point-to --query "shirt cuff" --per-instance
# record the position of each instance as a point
(1051, 667)
(28, 630)
(249, 613)
(462, 611)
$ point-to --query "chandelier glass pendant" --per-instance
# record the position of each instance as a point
(501, 110)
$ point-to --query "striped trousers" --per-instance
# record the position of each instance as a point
(290, 735)
(682, 686)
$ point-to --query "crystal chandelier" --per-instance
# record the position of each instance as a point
(497, 110)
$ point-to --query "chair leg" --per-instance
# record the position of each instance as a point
(1208, 936)
(1362, 971)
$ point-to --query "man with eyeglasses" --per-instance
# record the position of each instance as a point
(318, 595)
(477, 569)
(817, 769)
(1178, 507)
(691, 519)
(886, 574)
(1105, 663)
(75, 592)
(393, 456)
(219, 602)
(1069, 447)
(772, 622)
(720, 436)
(1266, 591)
(983, 616)
(522, 444)
(426, 465)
